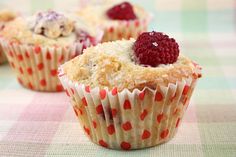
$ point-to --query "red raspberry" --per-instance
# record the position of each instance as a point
(123, 11)
(82, 37)
(154, 48)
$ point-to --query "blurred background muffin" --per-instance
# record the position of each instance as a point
(117, 19)
(36, 45)
(5, 17)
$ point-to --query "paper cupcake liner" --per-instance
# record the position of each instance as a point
(126, 29)
(3, 58)
(129, 120)
(36, 66)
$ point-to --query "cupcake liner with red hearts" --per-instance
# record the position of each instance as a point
(130, 120)
(36, 66)
(3, 58)
(125, 29)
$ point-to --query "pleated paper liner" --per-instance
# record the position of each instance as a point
(129, 120)
(126, 29)
(36, 66)
(3, 58)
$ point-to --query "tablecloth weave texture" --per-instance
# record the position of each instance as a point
(43, 124)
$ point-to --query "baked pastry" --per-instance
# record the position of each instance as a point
(131, 94)
(119, 21)
(5, 16)
(37, 45)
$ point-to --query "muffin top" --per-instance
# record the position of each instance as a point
(111, 14)
(117, 64)
(6, 16)
(49, 28)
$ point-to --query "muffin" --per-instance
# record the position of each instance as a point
(37, 45)
(131, 94)
(5, 16)
(118, 21)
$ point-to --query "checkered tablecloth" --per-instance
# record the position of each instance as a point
(43, 124)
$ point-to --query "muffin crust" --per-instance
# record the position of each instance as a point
(20, 31)
(6, 15)
(110, 65)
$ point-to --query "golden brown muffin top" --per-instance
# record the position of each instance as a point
(60, 29)
(6, 15)
(110, 65)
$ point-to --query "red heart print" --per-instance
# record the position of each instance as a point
(37, 49)
(164, 133)
(143, 114)
(87, 89)
(127, 126)
(141, 95)
(40, 66)
(146, 134)
(54, 72)
(43, 82)
(114, 91)
(84, 101)
(127, 105)
(103, 143)
(48, 56)
(158, 96)
(94, 124)
(160, 117)
(99, 109)
(125, 145)
(114, 112)
(102, 94)
(111, 129)
(186, 89)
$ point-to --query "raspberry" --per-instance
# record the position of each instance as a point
(154, 48)
(82, 37)
(122, 11)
